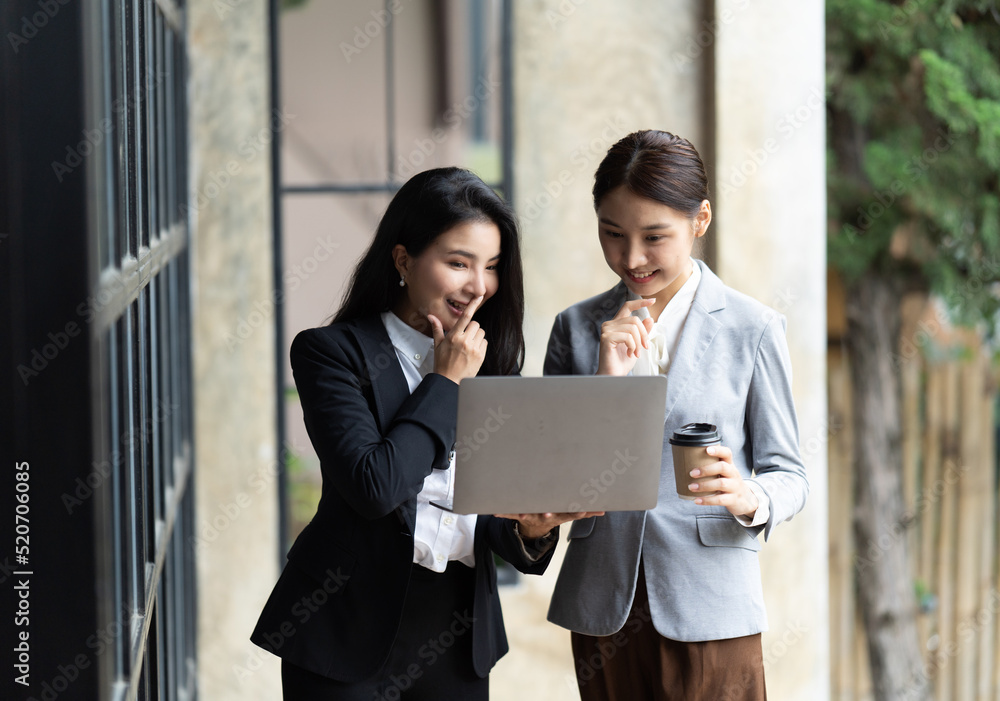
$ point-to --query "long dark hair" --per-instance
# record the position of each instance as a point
(657, 165)
(429, 204)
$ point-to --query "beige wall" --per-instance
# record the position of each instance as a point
(235, 403)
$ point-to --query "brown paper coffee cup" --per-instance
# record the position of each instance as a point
(689, 444)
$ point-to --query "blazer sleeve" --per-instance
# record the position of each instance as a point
(559, 353)
(773, 429)
(372, 471)
(504, 542)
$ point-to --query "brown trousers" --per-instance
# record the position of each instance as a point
(637, 663)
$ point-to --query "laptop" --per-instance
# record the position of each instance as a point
(558, 444)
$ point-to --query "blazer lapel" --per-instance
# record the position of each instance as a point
(697, 334)
(389, 388)
(388, 382)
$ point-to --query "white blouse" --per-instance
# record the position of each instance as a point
(439, 535)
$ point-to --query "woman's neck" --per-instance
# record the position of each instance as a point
(667, 293)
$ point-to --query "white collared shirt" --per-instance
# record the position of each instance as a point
(667, 328)
(663, 341)
(439, 535)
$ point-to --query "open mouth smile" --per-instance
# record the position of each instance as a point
(456, 307)
(641, 277)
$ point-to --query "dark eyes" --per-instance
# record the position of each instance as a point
(653, 238)
(460, 265)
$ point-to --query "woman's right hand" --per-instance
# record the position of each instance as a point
(622, 338)
(460, 352)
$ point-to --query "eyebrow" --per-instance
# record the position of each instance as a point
(473, 256)
(648, 227)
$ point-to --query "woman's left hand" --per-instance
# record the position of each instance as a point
(533, 526)
(732, 490)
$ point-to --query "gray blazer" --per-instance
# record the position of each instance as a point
(731, 368)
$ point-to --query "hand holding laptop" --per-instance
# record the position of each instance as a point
(533, 526)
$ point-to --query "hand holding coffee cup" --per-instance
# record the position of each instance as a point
(704, 471)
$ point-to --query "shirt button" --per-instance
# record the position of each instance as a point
(416, 356)
(451, 456)
(440, 558)
(448, 521)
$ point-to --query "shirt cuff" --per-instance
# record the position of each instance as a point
(763, 511)
(535, 548)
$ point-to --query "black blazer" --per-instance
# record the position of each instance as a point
(337, 605)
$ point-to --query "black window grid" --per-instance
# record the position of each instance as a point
(144, 365)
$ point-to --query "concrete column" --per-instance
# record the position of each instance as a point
(235, 402)
(770, 232)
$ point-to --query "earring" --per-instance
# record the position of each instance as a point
(402, 281)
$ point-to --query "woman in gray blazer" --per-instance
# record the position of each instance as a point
(667, 603)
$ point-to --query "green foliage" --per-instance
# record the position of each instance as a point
(914, 146)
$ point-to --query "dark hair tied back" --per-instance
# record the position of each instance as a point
(657, 165)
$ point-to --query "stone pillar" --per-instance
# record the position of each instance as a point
(235, 398)
(770, 232)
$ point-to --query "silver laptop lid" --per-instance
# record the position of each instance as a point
(575, 443)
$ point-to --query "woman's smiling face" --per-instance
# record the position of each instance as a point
(458, 266)
(648, 244)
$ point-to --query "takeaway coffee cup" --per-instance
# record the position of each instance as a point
(689, 444)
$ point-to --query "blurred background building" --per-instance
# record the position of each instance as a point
(185, 186)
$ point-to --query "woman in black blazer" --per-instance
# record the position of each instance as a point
(384, 596)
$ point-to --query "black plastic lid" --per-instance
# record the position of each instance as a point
(696, 435)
